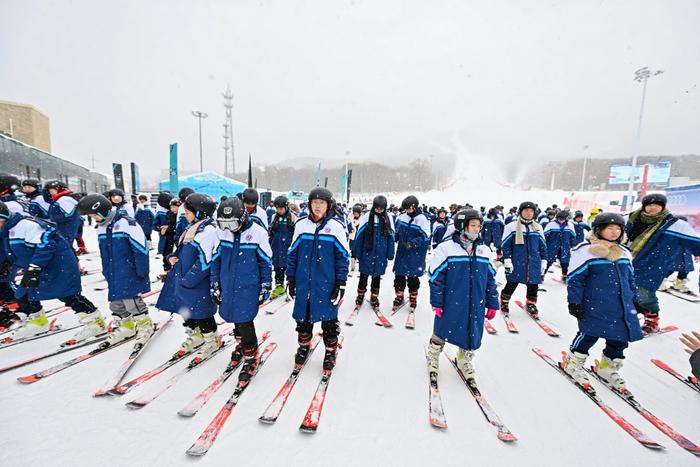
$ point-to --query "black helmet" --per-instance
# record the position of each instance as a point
(4, 211)
(115, 192)
(321, 193)
(578, 214)
(175, 202)
(357, 208)
(527, 205)
(55, 184)
(184, 193)
(231, 215)
(95, 204)
(164, 199)
(654, 198)
(462, 218)
(32, 182)
(562, 215)
(493, 213)
(379, 202)
(8, 182)
(409, 202)
(250, 196)
(281, 202)
(201, 205)
(605, 218)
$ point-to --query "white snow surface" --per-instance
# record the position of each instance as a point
(376, 412)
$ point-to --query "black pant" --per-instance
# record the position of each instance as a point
(279, 274)
(376, 280)
(77, 302)
(246, 333)
(331, 331)
(400, 283)
(205, 325)
(530, 294)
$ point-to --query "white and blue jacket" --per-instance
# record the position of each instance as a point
(259, 216)
(560, 240)
(124, 255)
(581, 228)
(464, 286)
(374, 261)
(38, 206)
(281, 239)
(160, 219)
(413, 238)
(318, 259)
(492, 232)
(64, 213)
(145, 217)
(526, 258)
(606, 292)
(243, 261)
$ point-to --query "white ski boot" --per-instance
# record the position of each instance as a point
(464, 363)
(93, 324)
(607, 369)
(681, 285)
(193, 340)
(125, 328)
(574, 363)
(433, 355)
(211, 344)
(34, 324)
(664, 286)
(144, 328)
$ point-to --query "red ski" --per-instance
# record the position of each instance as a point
(313, 413)
(551, 332)
(690, 381)
(489, 327)
(510, 326)
(382, 320)
(662, 330)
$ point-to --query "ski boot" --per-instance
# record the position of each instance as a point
(125, 328)
(211, 343)
(573, 365)
(360, 297)
(464, 363)
(413, 300)
(93, 325)
(144, 328)
(193, 340)
(607, 369)
(532, 309)
(504, 308)
(278, 291)
(651, 323)
(329, 357)
(374, 299)
(250, 364)
(434, 351)
(681, 286)
(398, 300)
(303, 350)
(665, 285)
(35, 323)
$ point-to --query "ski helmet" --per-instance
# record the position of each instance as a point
(231, 215)
(184, 193)
(4, 212)
(164, 199)
(281, 202)
(201, 205)
(175, 202)
(654, 198)
(578, 214)
(32, 182)
(55, 185)
(322, 194)
(116, 192)
(8, 183)
(95, 204)
(250, 196)
(527, 205)
(493, 213)
(604, 219)
(462, 218)
(379, 202)
(562, 215)
(357, 208)
(409, 202)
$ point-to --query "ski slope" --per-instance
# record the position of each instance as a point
(376, 412)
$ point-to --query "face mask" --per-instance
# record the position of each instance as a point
(471, 236)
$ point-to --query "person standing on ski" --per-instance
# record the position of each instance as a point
(281, 232)
(353, 225)
(560, 235)
(492, 231)
(581, 227)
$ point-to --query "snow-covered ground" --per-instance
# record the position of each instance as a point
(376, 412)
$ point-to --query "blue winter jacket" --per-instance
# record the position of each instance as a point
(160, 219)
(281, 239)
(661, 252)
(606, 292)
(413, 238)
(241, 264)
(492, 232)
(317, 260)
(527, 258)
(31, 241)
(464, 286)
(374, 261)
(439, 230)
(259, 216)
(186, 287)
(38, 207)
(124, 255)
(145, 217)
(581, 228)
(560, 240)
(64, 214)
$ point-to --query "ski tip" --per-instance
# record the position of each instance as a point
(196, 451)
(28, 379)
(102, 393)
(186, 413)
(267, 420)
(135, 404)
(118, 391)
(508, 437)
(309, 429)
(438, 424)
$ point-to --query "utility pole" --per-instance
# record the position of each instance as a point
(200, 116)
(228, 131)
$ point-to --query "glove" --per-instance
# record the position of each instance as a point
(215, 292)
(338, 293)
(265, 289)
(291, 287)
(543, 267)
(408, 245)
(30, 279)
(490, 313)
(575, 310)
(508, 265)
(5, 269)
(438, 311)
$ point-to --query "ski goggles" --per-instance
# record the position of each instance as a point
(229, 224)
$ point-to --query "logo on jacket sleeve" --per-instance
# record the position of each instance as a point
(327, 230)
(249, 237)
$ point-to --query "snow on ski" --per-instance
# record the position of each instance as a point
(551, 332)
(133, 356)
(313, 413)
(53, 329)
(640, 437)
(103, 347)
(205, 441)
(489, 327)
(381, 319)
(689, 381)
(510, 326)
(203, 397)
(436, 412)
(678, 438)
(272, 412)
(504, 434)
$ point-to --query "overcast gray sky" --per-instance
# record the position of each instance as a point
(316, 79)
